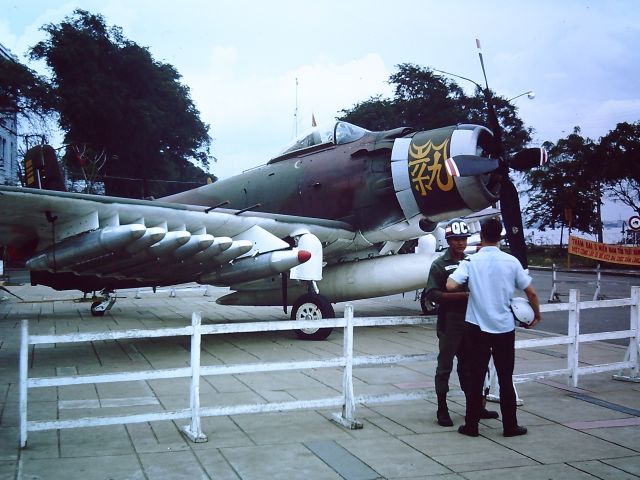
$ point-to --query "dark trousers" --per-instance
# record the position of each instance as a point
(479, 347)
(450, 345)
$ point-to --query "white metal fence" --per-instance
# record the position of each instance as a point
(574, 339)
(554, 295)
(347, 400)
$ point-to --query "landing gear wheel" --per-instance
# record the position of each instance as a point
(94, 312)
(428, 307)
(98, 307)
(312, 307)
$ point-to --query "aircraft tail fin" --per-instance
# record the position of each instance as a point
(41, 169)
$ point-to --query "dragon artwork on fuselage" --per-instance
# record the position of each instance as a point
(321, 223)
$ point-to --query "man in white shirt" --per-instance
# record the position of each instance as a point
(492, 276)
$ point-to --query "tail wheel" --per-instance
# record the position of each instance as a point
(108, 298)
(312, 307)
(428, 307)
(94, 312)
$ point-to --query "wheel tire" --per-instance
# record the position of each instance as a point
(94, 312)
(428, 307)
(312, 307)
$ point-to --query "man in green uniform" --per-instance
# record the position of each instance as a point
(451, 314)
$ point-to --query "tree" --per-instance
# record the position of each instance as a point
(22, 91)
(114, 97)
(565, 192)
(425, 100)
(619, 157)
(26, 100)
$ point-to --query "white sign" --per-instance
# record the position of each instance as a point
(634, 223)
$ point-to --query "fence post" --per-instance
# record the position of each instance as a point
(347, 418)
(24, 373)
(634, 321)
(573, 352)
(193, 431)
(492, 387)
(553, 296)
(596, 294)
(634, 342)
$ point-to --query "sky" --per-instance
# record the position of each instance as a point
(258, 70)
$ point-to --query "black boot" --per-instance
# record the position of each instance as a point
(444, 420)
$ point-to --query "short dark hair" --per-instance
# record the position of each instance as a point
(491, 230)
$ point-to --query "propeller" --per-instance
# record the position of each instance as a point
(523, 160)
(528, 158)
(470, 165)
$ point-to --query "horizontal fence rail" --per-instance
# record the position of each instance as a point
(574, 339)
(347, 400)
(554, 295)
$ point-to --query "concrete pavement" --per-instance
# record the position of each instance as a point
(584, 433)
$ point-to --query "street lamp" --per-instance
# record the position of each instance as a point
(459, 76)
(530, 95)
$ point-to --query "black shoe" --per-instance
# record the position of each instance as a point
(468, 430)
(488, 414)
(515, 431)
(444, 420)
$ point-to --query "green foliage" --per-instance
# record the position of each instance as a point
(425, 100)
(580, 173)
(565, 192)
(23, 91)
(619, 157)
(113, 96)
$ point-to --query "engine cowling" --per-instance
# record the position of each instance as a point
(423, 185)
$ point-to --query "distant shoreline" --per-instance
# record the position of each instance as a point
(551, 237)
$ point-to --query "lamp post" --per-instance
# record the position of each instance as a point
(530, 95)
(459, 76)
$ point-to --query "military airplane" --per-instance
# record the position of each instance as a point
(322, 222)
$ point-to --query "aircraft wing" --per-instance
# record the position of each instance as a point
(153, 242)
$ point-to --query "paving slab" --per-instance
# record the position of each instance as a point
(574, 433)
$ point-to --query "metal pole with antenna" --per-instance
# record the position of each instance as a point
(295, 114)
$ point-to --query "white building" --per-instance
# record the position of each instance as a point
(8, 138)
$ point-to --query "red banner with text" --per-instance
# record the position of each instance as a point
(604, 251)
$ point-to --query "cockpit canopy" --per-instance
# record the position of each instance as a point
(336, 132)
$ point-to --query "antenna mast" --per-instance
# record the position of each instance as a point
(295, 114)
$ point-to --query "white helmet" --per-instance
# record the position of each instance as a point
(522, 311)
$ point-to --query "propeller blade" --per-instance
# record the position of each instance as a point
(512, 219)
(470, 165)
(528, 158)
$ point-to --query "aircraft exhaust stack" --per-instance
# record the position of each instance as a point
(260, 266)
(85, 246)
